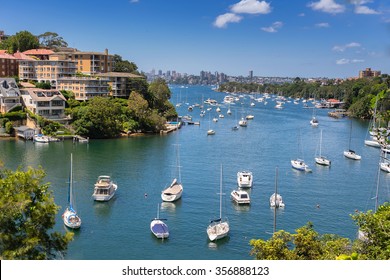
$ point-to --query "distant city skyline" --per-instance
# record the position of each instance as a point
(302, 38)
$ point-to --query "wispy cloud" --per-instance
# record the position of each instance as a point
(361, 8)
(327, 6)
(133, 1)
(343, 61)
(274, 27)
(251, 7)
(347, 46)
(242, 7)
(223, 20)
(322, 25)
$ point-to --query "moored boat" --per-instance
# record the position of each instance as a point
(104, 189)
(240, 197)
(244, 179)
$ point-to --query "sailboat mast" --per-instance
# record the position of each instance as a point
(276, 194)
(321, 144)
(220, 196)
(70, 195)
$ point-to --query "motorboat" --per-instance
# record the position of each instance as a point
(104, 189)
(243, 122)
(250, 117)
(158, 227)
(218, 228)
(240, 197)
(300, 165)
(385, 166)
(244, 179)
(352, 155)
(70, 217)
(40, 138)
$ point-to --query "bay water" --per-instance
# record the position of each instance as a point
(143, 166)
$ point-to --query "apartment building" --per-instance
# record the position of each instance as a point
(58, 66)
(91, 63)
(9, 95)
(49, 104)
(120, 83)
(8, 65)
(84, 88)
(369, 73)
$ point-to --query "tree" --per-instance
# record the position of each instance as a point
(124, 65)
(27, 216)
(305, 244)
(21, 41)
(100, 119)
(375, 227)
(51, 40)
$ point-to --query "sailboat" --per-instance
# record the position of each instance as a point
(70, 217)
(314, 122)
(174, 191)
(351, 154)
(384, 162)
(210, 131)
(320, 159)
(158, 227)
(218, 228)
(276, 199)
(299, 164)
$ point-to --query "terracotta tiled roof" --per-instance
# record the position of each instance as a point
(6, 55)
(3, 51)
(22, 56)
(38, 52)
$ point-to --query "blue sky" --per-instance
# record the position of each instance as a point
(294, 38)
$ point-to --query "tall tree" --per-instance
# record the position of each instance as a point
(27, 216)
(21, 41)
(126, 66)
(51, 40)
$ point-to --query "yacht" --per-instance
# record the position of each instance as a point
(104, 189)
(300, 165)
(240, 197)
(244, 179)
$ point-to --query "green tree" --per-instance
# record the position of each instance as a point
(27, 216)
(375, 226)
(124, 65)
(100, 119)
(51, 40)
(21, 41)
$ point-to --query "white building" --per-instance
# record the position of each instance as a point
(9, 95)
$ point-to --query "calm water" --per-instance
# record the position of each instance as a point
(119, 229)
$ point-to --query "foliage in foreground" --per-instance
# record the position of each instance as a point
(307, 244)
(27, 216)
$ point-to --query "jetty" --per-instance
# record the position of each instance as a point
(338, 113)
(171, 126)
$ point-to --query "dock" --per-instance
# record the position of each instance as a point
(338, 113)
(80, 139)
(171, 126)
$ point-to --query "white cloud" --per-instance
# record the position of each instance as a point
(347, 46)
(222, 20)
(322, 25)
(274, 27)
(327, 6)
(134, 1)
(343, 61)
(251, 7)
(365, 10)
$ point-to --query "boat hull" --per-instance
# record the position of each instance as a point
(159, 229)
(322, 161)
(71, 219)
(244, 179)
(352, 155)
(300, 165)
(173, 192)
(216, 231)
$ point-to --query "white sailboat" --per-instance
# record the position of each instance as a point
(321, 159)
(276, 199)
(298, 163)
(175, 190)
(218, 228)
(158, 227)
(70, 217)
(384, 162)
(351, 154)
(210, 131)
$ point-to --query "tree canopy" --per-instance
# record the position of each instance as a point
(27, 216)
(51, 40)
(308, 244)
(21, 41)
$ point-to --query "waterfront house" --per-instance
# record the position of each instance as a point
(9, 95)
(49, 104)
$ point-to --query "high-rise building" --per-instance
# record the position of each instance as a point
(369, 73)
